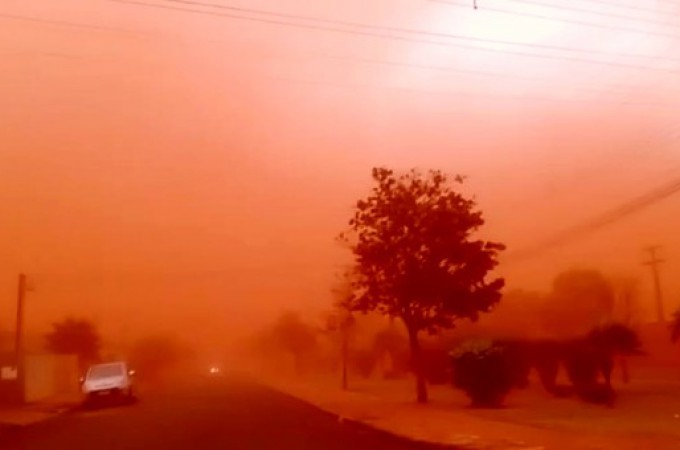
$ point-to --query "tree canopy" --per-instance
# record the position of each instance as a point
(295, 336)
(75, 336)
(416, 256)
(580, 299)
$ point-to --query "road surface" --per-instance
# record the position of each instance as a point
(219, 414)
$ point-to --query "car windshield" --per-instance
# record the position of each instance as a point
(105, 370)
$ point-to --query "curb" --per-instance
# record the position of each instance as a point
(51, 412)
(366, 427)
(363, 426)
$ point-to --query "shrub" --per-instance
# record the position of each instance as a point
(584, 362)
(482, 369)
(518, 357)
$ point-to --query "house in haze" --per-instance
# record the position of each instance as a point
(46, 376)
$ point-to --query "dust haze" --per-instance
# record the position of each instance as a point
(164, 171)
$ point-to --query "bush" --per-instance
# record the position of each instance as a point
(518, 357)
(482, 369)
(584, 362)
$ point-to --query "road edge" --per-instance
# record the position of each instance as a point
(50, 413)
(360, 424)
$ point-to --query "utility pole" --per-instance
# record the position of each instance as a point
(19, 337)
(345, 351)
(342, 323)
(653, 264)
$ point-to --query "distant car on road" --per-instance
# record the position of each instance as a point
(113, 379)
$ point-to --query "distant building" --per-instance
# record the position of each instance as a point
(46, 376)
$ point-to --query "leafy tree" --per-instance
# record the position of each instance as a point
(416, 258)
(580, 300)
(75, 336)
(616, 339)
(296, 337)
(675, 326)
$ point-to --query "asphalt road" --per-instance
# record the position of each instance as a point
(219, 414)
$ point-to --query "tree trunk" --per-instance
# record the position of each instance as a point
(298, 365)
(625, 374)
(417, 361)
(344, 361)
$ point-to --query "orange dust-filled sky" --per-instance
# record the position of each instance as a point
(185, 165)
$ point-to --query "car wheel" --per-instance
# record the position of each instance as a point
(89, 401)
(130, 396)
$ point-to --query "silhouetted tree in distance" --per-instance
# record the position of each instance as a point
(75, 336)
(617, 339)
(580, 300)
(416, 258)
(296, 337)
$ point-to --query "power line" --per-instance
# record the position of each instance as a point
(355, 59)
(630, 7)
(396, 37)
(453, 70)
(629, 66)
(295, 16)
(443, 69)
(64, 23)
(490, 41)
(643, 142)
(593, 12)
(601, 221)
(554, 19)
(672, 135)
(450, 70)
(458, 94)
(375, 61)
(399, 29)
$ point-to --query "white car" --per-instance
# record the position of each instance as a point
(108, 379)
